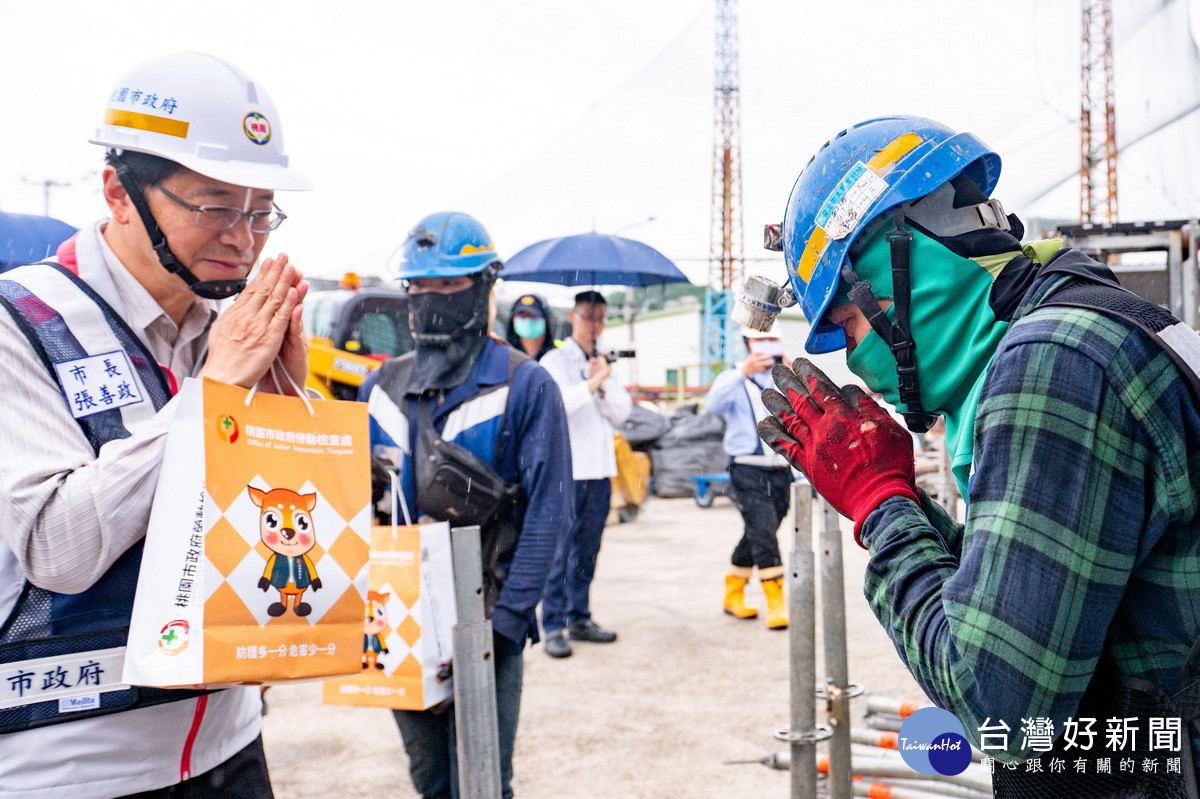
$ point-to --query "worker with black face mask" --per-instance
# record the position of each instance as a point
(505, 434)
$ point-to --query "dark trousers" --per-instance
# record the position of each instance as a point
(565, 598)
(243, 776)
(429, 735)
(762, 496)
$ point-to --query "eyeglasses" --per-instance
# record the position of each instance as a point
(220, 217)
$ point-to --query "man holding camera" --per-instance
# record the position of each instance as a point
(759, 478)
(595, 402)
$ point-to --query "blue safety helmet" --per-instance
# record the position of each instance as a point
(446, 244)
(863, 172)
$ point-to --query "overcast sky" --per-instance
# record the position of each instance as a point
(550, 117)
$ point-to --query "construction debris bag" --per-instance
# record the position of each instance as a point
(408, 624)
(690, 428)
(644, 426)
(693, 446)
(254, 566)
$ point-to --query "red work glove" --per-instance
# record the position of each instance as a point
(854, 453)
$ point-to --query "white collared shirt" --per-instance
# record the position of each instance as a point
(590, 417)
(66, 514)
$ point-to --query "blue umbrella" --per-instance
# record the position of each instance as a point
(592, 259)
(26, 239)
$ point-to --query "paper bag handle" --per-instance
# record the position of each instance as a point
(398, 495)
(301, 393)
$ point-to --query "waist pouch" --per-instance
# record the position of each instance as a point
(453, 484)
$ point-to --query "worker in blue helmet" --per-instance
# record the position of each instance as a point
(465, 408)
(1070, 594)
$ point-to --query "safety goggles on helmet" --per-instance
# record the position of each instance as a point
(221, 217)
(887, 167)
(862, 173)
(447, 244)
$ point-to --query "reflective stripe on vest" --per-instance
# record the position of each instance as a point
(61, 655)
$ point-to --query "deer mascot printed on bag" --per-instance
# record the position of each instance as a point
(287, 529)
(374, 623)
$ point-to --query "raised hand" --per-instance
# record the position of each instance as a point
(263, 323)
(853, 452)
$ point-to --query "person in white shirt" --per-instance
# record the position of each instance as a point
(92, 348)
(595, 402)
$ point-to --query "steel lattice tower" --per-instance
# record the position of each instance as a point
(726, 257)
(1097, 185)
(726, 260)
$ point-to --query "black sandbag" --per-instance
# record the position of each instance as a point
(684, 411)
(693, 428)
(644, 426)
(673, 467)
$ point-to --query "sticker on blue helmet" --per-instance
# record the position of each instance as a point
(849, 201)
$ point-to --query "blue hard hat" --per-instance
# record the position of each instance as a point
(446, 244)
(864, 171)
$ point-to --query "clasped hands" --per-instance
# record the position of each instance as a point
(262, 324)
(850, 449)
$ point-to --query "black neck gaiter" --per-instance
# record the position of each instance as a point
(450, 331)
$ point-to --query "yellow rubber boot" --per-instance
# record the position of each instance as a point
(776, 608)
(735, 597)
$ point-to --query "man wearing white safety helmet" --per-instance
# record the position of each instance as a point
(92, 346)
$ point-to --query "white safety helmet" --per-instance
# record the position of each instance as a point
(202, 113)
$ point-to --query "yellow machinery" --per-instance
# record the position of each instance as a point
(350, 333)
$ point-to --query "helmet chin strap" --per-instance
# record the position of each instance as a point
(208, 289)
(898, 334)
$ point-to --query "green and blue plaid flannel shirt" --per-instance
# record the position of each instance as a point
(1081, 534)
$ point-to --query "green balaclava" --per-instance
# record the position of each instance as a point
(955, 331)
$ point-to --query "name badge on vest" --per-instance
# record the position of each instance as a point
(98, 383)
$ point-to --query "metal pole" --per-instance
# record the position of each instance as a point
(1191, 298)
(476, 731)
(802, 612)
(833, 625)
(948, 491)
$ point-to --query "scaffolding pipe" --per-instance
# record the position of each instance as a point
(802, 633)
(877, 738)
(889, 742)
(892, 707)
(943, 789)
(884, 721)
(886, 790)
(973, 778)
(933, 786)
(476, 731)
(837, 677)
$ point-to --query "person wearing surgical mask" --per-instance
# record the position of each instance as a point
(530, 326)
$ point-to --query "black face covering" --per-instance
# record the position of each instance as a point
(450, 331)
